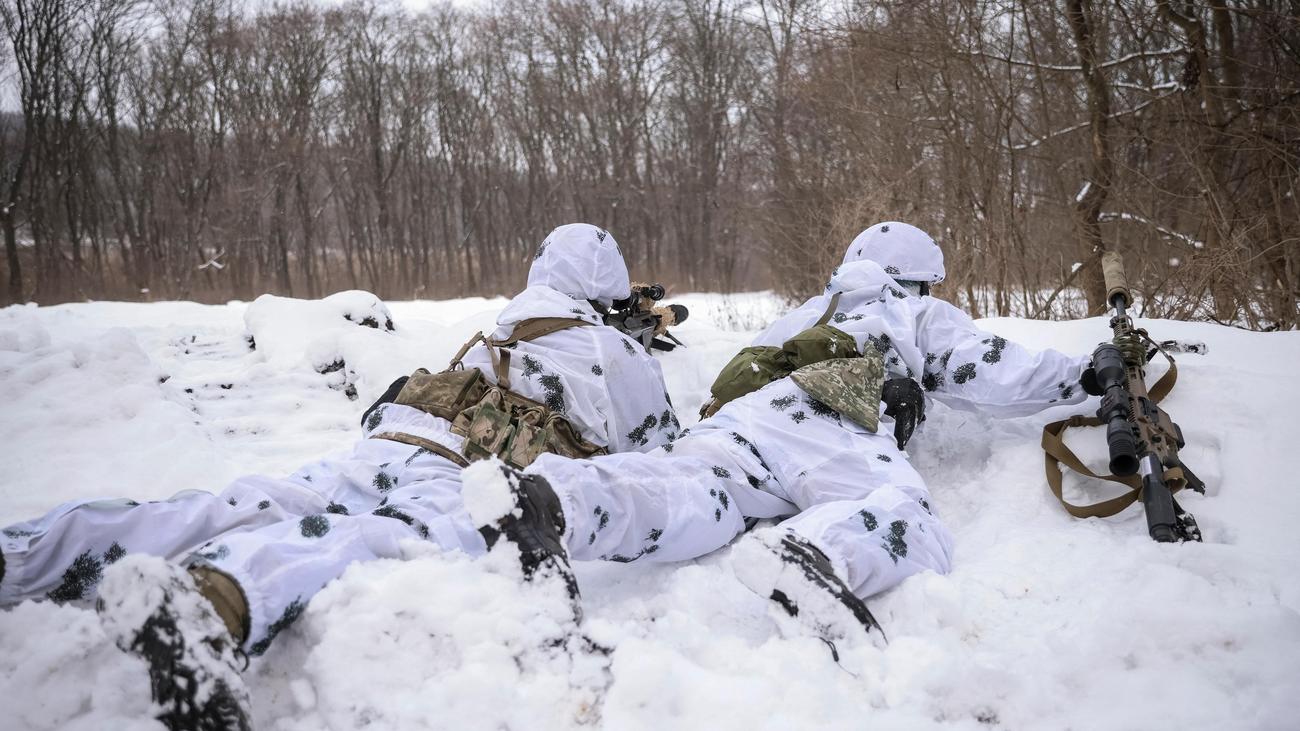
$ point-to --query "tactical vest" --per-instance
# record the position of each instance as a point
(823, 360)
(494, 420)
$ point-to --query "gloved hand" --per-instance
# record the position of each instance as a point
(905, 401)
(1134, 349)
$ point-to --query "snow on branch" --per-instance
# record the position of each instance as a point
(1109, 64)
(1081, 125)
(1194, 243)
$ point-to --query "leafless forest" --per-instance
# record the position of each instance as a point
(210, 149)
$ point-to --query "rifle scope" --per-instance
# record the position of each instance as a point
(653, 291)
(1108, 364)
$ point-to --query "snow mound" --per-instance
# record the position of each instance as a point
(288, 331)
(439, 641)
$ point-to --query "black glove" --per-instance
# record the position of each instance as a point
(389, 397)
(905, 401)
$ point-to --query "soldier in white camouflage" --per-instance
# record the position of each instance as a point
(820, 451)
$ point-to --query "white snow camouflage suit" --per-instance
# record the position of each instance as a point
(777, 452)
(283, 539)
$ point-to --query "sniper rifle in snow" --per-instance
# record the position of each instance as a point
(1142, 439)
(642, 319)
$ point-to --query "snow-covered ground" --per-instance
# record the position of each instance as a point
(1046, 622)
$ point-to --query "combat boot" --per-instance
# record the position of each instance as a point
(534, 523)
(799, 579)
(153, 610)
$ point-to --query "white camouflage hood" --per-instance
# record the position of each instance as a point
(583, 262)
(904, 251)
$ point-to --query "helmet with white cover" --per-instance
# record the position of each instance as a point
(582, 261)
(904, 251)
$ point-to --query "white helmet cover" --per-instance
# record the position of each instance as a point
(582, 261)
(904, 251)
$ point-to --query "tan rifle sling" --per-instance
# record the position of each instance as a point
(1056, 453)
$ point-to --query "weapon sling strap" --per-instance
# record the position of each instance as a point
(524, 331)
(1056, 453)
(830, 310)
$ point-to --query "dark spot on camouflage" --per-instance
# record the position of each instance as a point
(965, 372)
(596, 370)
(894, 543)
(884, 229)
(891, 269)
(336, 508)
(83, 573)
(376, 416)
(232, 502)
(114, 553)
(638, 435)
(996, 346)
(627, 345)
(668, 419)
(314, 526)
(717, 515)
(820, 408)
(782, 403)
(655, 533)
(541, 250)
(882, 344)
(869, 520)
(553, 388)
(415, 455)
(290, 615)
(383, 482)
(722, 472)
(388, 511)
(884, 458)
(263, 504)
(932, 381)
(531, 366)
(798, 417)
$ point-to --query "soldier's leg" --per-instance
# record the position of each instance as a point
(656, 506)
(877, 541)
(61, 555)
(872, 518)
(277, 569)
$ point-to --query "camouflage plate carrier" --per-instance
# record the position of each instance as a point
(494, 420)
(823, 360)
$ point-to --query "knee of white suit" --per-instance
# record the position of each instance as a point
(877, 541)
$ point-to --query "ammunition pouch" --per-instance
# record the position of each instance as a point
(494, 420)
(758, 365)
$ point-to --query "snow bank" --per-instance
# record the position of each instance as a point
(1046, 621)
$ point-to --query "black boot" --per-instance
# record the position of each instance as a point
(536, 526)
(798, 577)
(193, 668)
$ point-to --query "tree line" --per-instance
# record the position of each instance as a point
(209, 149)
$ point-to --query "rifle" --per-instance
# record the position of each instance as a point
(641, 319)
(1142, 439)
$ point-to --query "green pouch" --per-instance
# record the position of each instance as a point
(526, 444)
(851, 386)
(487, 432)
(444, 394)
(751, 369)
(818, 343)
